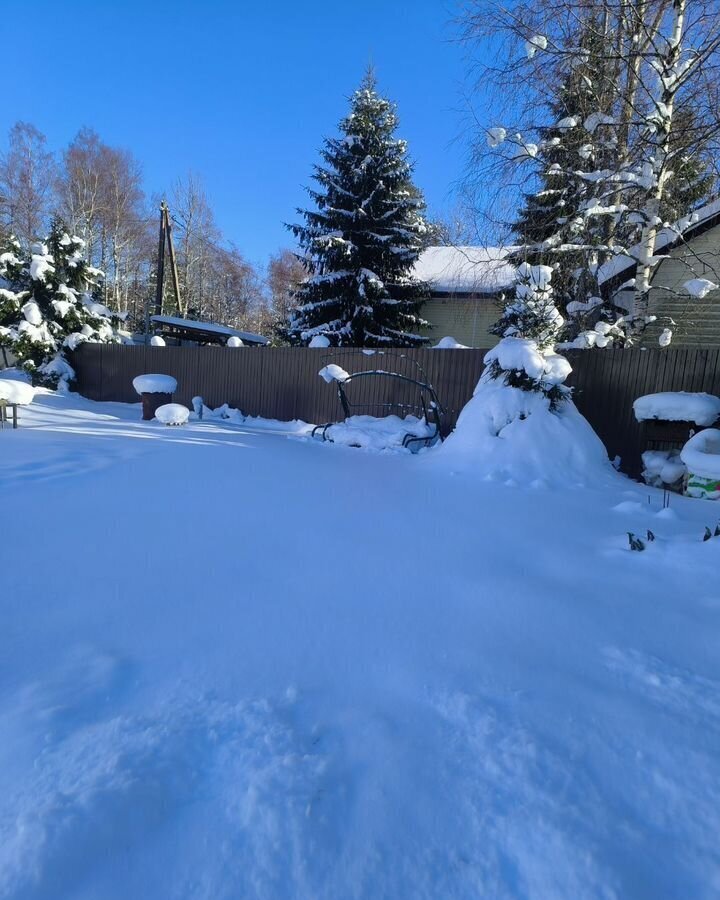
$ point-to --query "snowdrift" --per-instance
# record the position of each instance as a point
(507, 433)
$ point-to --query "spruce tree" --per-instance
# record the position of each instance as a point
(359, 246)
(529, 328)
(49, 303)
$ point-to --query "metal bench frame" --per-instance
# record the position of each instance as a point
(432, 410)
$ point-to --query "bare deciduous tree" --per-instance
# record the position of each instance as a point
(27, 176)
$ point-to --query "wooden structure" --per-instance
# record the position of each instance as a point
(4, 406)
(283, 383)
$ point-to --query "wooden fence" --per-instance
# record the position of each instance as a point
(283, 383)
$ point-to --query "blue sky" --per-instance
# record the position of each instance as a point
(241, 93)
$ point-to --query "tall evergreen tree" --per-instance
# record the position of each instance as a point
(360, 244)
(49, 302)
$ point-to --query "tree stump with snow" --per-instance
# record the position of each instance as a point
(155, 391)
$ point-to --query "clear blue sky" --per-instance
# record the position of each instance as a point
(240, 92)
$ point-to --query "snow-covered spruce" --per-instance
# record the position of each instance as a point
(525, 358)
(360, 244)
(520, 423)
(49, 303)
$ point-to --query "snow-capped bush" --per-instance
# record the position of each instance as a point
(49, 303)
(525, 358)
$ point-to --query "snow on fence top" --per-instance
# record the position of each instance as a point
(155, 384)
(678, 406)
(465, 270)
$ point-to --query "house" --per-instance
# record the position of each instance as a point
(467, 286)
(690, 250)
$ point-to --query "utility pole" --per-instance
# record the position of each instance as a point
(173, 263)
(161, 261)
(165, 237)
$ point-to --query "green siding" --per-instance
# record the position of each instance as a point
(696, 322)
(465, 319)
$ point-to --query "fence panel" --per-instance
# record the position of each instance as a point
(282, 383)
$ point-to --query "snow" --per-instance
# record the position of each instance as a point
(234, 341)
(211, 327)
(371, 433)
(15, 391)
(464, 270)
(699, 287)
(449, 343)
(276, 668)
(172, 414)
(678, 406)
(319, 340)
(523, 355)
(663, 467)
(157, 341)
(701, 454)
(505, 433)
(32, 314)
(535, 43)
(155, 384)
(495, 136)
(333, 372)
(665, 337)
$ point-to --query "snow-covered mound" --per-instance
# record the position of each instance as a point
(16, 391)
(318, 341)
(155, 384)
(678, 406)
(172, 414)
(371, 433)
(701, 454)
(505, 432)
(234, 341)
(449, 343)
(662, 467)
(157, 341)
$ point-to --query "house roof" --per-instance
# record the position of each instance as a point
(621, 267)
(465, 270)
(191, 329)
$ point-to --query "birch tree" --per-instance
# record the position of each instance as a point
(27, 176)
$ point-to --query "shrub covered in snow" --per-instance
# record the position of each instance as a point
(49, 303)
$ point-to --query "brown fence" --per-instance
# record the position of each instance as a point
(283, 383)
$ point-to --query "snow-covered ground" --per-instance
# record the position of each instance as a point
(242, 664)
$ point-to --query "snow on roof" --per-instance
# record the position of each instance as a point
(465, 270)
(210, 327)
(665, 238)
